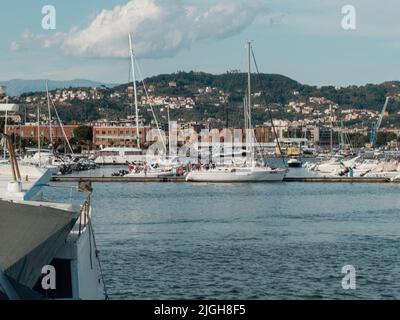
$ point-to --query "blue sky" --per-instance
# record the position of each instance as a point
(302, 39)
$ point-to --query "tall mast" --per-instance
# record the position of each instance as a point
(249, 73)
(330, 110)
(5, 131)
(169, 133)
(250, 127)
(49, 108)
(39, 136)
(135, 88)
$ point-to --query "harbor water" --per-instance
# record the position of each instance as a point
(246, 241)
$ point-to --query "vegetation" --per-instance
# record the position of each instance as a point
(279, 91)
(83, 135)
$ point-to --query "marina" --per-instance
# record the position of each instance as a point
(226, 170)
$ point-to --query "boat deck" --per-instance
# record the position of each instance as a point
(30, 175)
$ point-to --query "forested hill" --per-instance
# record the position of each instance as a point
(199, 96)
(278, 88)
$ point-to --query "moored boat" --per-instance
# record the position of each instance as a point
(42, 239)
(237, 174)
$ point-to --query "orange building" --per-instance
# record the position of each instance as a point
(30, 131)
(118, 135)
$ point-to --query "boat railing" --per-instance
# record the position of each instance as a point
(84, 218)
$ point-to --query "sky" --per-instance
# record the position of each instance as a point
(302, 39)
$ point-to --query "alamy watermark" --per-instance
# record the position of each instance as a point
(349, 280)
(349, 20)
(49, 278)
(208, 146)
(49, 20)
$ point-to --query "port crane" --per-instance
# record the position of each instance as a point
(377, 125)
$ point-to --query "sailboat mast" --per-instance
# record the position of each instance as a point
(169, 133)
(249, 73)
(5, 131)
(49, 108)
(39, 136)
(250, 127)
(135, 89)
(330, 111)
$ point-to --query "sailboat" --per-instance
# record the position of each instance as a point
(46, 158)
(122, 155)
(247, 172)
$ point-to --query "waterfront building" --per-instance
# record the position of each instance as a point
(30, 131)
(118, 135)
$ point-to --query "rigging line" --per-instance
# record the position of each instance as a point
(268, 108)
(91, 231)
(61, 124)
(151, 106)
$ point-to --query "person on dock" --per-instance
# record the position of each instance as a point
(146, 168)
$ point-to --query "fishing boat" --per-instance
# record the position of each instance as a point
(47, 249)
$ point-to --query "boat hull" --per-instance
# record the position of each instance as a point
(236, 176)
(150, 175)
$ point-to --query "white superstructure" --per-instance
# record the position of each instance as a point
(35, 233)
(119, 155)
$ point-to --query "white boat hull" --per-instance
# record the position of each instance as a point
(150, 175)
(236, 176)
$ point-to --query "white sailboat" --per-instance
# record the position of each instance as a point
(122, 155)
(247, 172)
(46, 158)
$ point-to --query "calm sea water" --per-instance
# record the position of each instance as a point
(247, 241)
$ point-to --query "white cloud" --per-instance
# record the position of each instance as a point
(161, 28)
(15, 46)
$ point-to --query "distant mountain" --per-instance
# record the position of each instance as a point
(16, 87)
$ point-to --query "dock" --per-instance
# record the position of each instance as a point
(109, 179)
(340, 180)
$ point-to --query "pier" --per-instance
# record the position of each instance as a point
(109, 179)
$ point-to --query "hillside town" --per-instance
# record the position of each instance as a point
(315, 121)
